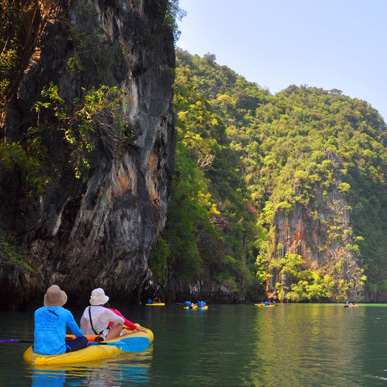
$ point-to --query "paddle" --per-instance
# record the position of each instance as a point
(126, 344)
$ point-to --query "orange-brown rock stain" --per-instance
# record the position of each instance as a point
(151, 180)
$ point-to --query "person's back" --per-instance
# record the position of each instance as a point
(51, 322)
(100, 319)
(50, 330)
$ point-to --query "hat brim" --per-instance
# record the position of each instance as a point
(99, 301)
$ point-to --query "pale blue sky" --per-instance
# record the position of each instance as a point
(332, 44)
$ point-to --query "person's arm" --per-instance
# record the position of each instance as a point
(127, 323)
(73, 325)
(113, 317)
(130, 325)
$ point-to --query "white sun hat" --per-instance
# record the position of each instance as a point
(98, 297)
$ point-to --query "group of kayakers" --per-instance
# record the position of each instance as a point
(52, 320)
(192, 305)
(267, 303)
(156, 300)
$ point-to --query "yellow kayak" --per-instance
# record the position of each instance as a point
(196, 307)
(90, 353)
(265, 306)
(156, 304)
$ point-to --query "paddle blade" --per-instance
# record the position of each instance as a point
(128, 344)
(132, 344)
(11, 341)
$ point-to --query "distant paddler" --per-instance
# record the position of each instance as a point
(350, 304)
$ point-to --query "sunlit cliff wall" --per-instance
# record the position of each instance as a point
(320, 231)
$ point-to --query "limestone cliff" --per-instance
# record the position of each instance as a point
(93, 228)
(320, 231)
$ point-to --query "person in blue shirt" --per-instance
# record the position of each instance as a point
(51, 322)
(201, 304)
(187, 304)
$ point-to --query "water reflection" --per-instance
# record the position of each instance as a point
(121, 370)
(307, 345)
(228, 345)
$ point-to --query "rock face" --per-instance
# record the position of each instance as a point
(321, 233)
(96, 230)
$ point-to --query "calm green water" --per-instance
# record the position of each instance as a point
(227, 345)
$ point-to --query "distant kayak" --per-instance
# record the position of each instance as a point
(156, 304)
(351, 306)
(196, 307)
(265, 306)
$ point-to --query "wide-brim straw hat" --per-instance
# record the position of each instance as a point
(98, 297)
(54, 296)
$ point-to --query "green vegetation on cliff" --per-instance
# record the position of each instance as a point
(19, 22)
(210, 229)
(246, 161)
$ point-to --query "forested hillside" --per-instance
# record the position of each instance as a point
(282, 192)
(210, 233)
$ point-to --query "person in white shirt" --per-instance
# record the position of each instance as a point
(96, 318)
